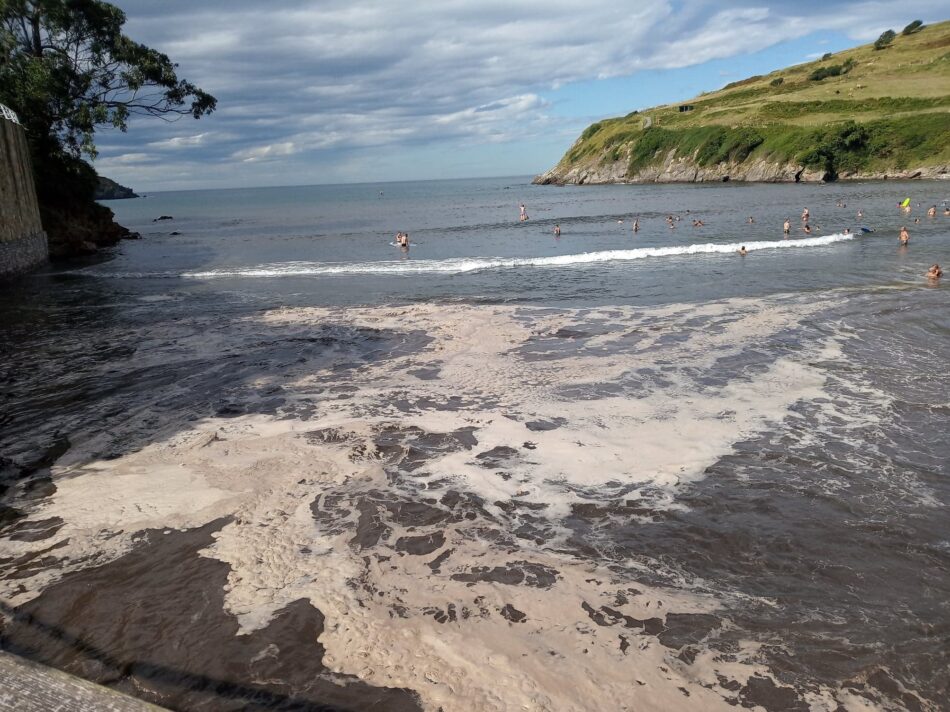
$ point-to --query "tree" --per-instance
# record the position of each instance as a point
(915, 26)
(66, 68)
(885, 39)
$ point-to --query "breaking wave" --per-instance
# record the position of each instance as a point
(473, 264)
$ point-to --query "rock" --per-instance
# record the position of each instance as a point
(108, 189)
(163, 217)
(680, 169)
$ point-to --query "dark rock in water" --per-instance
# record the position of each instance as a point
(176, 232)
(108, 189)
(163, 217)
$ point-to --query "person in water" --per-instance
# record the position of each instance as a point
(524, 213)
(751, 220)
(805, 215)
(904, 236)
(807, 229)
(743, 251)
(934, 272)
(932, 213)
(636, 225)
(404, 241)
(786, 227)
(557, 231)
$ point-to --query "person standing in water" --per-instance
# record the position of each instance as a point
(636, 225)
(805, 215)
(904, 236)
(743, 251)
(934, 272)
(557, 231)
(786, 227)
(524, 213)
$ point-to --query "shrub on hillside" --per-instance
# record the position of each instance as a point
(915, 26)
(832, 71)
(777, 81)
(885, 39)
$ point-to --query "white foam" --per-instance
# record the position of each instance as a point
(461, 265)
(267, 475)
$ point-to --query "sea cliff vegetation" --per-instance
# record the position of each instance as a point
(875, 111)
(67, 69)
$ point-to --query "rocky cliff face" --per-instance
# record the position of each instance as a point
(678, 169)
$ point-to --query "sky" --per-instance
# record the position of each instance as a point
(330, 91)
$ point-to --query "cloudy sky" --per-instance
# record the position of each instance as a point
(330, 91)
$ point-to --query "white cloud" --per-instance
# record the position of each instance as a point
(258, 153)
(301, 76)
(180, 141)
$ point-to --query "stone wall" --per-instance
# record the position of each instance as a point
(23, 242)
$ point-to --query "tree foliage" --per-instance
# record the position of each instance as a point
(66, 68)
(885, 39)
(915, 26)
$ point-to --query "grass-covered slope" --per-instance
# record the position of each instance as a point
(862, 112)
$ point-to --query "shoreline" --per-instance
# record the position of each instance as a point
(684, 171)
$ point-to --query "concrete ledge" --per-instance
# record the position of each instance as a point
(18, 256)
(26, 686)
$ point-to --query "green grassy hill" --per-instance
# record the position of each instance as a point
(859, 113)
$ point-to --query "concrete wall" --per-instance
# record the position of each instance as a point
(22, 240)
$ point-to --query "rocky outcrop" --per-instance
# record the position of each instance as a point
(108, 189)
(680, 169)
(81, 228)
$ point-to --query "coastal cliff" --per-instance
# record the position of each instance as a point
(679, 169)
(108, 189)
(868, 113)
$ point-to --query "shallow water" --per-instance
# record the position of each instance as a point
(274, 463)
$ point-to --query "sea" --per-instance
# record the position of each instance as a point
(263, 458)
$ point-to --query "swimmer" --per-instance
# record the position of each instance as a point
(743, 251)
(751, 220)
(847, 231)
(916, 221)
(786, 227)
(932, 213)
(557, 231)
(807, 229)
(404, 241)
(946, 211)
(904, 236)
(636, 225)
(805, 215)
(934, 272)
(860, 214)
